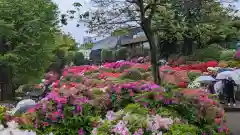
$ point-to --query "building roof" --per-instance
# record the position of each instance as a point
(112, 41)
(134, 40)
(107, 43)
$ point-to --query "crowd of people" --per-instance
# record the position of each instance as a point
(226, 92)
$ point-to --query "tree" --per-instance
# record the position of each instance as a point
(27, 30)
(174, 26)
(64, 52)
(87, 46)
(113, 15)
(194, 25)
(78, 59)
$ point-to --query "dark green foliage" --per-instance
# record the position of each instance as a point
(87, 46)
(193, 75)
(27, 30)
(212, 52)
(227, 55)
(107, 70)
(141, 70)
(107, 55)
(78, 59)
(64, 53)
(121, 54)
(146, 75)
(30, 87)
(124, 67)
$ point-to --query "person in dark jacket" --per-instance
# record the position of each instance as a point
(211, 88)
(229, 89)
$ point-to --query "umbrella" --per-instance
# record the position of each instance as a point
(235, 75)
(218, 87)
(205, 79)
(224, 69)
(23, 105)
(224, 75)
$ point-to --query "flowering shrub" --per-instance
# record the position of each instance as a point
(132, 74)
(134, 120)
(12, 130)
(92, 100)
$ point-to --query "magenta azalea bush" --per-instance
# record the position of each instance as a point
(94, 100)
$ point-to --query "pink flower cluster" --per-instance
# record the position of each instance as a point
(118, 64)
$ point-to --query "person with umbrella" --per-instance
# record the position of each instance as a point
(211, 87)
(229, 90)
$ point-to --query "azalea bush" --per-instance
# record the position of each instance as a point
(104, 100)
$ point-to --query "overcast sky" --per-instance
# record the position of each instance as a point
(79, 33)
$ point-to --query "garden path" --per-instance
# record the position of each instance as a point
(233, 122)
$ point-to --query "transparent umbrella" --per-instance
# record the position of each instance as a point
(235, 75)
(205, 79)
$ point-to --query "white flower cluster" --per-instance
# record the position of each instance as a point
(13, 130)
(194, 84)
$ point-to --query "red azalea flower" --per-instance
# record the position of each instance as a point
(108, 101)
(45, 124)
(61, 100)
(73, 84)
(214, 102)
(211, 63)
(226, 129)
(218, 121)
(118, 90)
(131, 93)
(53, 118)
(182, 84)
(222, 113)
(31, 110)
(55, 113)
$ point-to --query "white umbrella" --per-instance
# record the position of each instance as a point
(224, 75)
(23, 105)
(235, 75)
(205, 79)
(218, 87)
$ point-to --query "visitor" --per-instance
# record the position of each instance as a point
(229, 90)
(211, 88)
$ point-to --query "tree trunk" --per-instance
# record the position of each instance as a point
(7, 93)
(155, 68)
(152, 39)
(10, 94)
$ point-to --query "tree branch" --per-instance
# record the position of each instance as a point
(153, 10)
